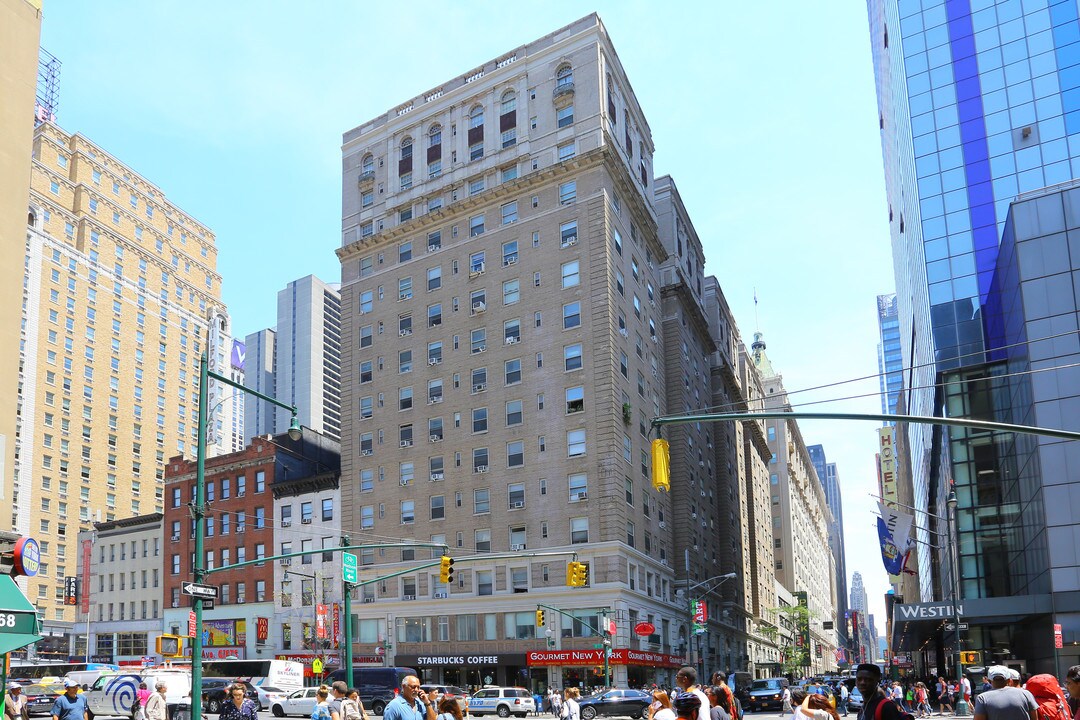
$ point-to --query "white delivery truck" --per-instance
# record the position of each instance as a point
(113, 695)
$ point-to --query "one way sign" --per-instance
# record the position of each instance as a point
(200, 591)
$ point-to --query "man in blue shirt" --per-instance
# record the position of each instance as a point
(411, 704)
(70, 705)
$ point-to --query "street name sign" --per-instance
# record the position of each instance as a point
(348, 567)
(200, 591)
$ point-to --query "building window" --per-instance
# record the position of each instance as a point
(565, 116)
(579, 530)
(481, 502)
(568, 192)
(571, 274)
(571, 315)
(575, 443)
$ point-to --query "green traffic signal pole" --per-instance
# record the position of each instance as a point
(198, 512)
(658, 422)
(989, 425)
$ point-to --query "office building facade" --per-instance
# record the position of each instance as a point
(978, 112)
(298, 361)
(20, 28)
(830, 483)
(800, 521)
(499, 249)
(890, 359)
(120, 285)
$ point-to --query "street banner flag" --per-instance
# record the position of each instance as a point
(891, 556)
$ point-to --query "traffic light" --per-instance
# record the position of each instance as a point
(969, 657)
(446, 570)
(539, 617)
(169, 646)
(661, 465)
(577, 574)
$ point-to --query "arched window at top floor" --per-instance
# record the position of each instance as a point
(367, 164)
(508, 103)
(476, 116)
(435, 135)
(406, 148)
(564, 76)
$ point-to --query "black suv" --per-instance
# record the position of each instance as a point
(615, 702)
(214, 696)
(767, 693)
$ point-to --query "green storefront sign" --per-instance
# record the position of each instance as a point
(18, 618)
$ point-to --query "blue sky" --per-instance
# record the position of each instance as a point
(764, 113)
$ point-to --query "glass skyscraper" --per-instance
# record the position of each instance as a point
(890, 359)
(979, 108)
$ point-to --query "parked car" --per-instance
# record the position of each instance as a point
(615, 702)
(268, 695)
(40, 698)
(300, 702)
(112, 694)
(855, 699)
(767, 693)
(502, 701)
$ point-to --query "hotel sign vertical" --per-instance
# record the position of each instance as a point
(887, 472)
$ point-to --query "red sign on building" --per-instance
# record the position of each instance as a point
(1057, 637)
(87, 553)
(337, 625)
(320, 621)
(620, 656)
(262, 629)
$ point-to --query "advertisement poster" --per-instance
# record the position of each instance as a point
(225, 632)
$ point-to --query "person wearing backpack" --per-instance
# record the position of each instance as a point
(1004, 703)
(876, 705)
(1048, 697)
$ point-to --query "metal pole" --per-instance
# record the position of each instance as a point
(689, 608)
(961, 704)
(346, 655)
(200, 567)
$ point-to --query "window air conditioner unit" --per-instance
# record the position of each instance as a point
(624, 332)
(517, 505)
(403, 296)
(701, 463)
(176, 538)
(286, 523)
(305, 521)
(408, 597)
(517, 548)
(432, 248)
(693, 515)
(512, 340)
(436, 322)
(479, 307)
(480, 387)
(477, 269)
(436, 476)
(285, 561)
(434, 438)
(512, 260)
(192, 534)
(405, 443)
(583, 495)
(240, 494)
(404, 333)
(435, 400)
(663, 524)
(240, 528)
(569, 240)
(440, 596)
(365, 453)
(434, 361)
(239, 598)
(481, 468)
(369, 600)
(480, 349)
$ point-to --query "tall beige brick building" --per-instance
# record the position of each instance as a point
(501, 342)
(20, 27)
(120, 283)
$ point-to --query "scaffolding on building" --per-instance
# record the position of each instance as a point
(48, 88)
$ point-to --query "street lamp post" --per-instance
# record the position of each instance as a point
(198, 513)
(954, 552)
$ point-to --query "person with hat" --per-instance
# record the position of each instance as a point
(687, 705)
(71, 705)
(687, 681)
(15, 703)
(1004, 703)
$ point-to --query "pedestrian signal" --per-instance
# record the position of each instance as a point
(969, 657)
(169, 646)
(446, 570)
(539, 618)
(661, 465)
